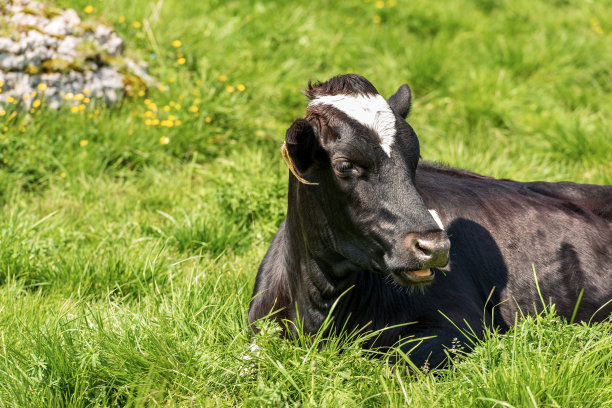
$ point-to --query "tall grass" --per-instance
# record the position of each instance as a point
(126, 264)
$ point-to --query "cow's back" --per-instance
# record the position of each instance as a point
(502, 230)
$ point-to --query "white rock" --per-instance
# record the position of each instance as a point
(114, 45)
(23, 19)
(71, 17)
(5, 44)
(67, 48)
(57, 26)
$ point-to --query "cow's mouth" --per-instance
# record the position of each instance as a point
(412, 278)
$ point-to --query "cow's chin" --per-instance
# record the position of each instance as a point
(422, 277)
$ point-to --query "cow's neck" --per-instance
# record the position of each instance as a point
(318, 274)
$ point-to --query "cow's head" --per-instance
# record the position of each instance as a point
(363, 154)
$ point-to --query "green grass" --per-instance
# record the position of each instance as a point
(126, 265)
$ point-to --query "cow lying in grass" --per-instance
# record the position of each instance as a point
(366, 219)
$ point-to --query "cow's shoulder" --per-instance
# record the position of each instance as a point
(272, 294)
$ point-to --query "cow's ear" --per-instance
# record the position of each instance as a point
(401, 100)
(302, 145)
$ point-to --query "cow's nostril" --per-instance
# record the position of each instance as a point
(423, 248)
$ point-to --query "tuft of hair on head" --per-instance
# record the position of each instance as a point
(348, 84)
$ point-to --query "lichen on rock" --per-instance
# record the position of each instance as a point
(41, 44)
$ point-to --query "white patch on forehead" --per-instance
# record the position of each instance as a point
(436, 217)
(372, 111)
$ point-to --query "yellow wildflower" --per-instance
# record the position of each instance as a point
(141, 93)
(162, 88)
(171, 103)
(198, 82)
(391, 3)
(193, 109)
(81, 108)
(240, 87)
(10, 99)
(176, 43)
(164, 140)
(74, 109)
(86, 91)
(166, 108)
(177, 123)
(68, 96)
(155, 122)
(229, 88)
(42, 86)
(380, 4)
(171, 117)
(222, 78)
(2, 112)
(167, 123)
(36, 103)
(181, 61)
(84, 142)
(79, 97)
(121, 19)
(89, 9)
(148, 122)
(86, 100)
(208, 119)
(63, 175)
(177, 106)
(149, 114)
(137, 24)
(171, 80)
(595, 26)
(147, 101)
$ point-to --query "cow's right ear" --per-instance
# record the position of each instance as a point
(302, 145)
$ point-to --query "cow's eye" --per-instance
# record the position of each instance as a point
(345, 168)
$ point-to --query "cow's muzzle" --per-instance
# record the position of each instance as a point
(429, 249)
(418, 253)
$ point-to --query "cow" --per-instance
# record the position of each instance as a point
(381, 241)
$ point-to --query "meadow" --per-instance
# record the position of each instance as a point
(130, 235)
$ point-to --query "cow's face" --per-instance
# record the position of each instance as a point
(363, 154)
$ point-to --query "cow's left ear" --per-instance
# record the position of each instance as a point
(401, 100)
(302, 145)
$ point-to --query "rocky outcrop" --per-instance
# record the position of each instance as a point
(52, 52)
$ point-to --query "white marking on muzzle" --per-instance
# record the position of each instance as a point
(372, 111)
(436, 217)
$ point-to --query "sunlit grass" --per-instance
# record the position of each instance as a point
(130, 235)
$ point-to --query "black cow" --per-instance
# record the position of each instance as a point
(365, 217)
